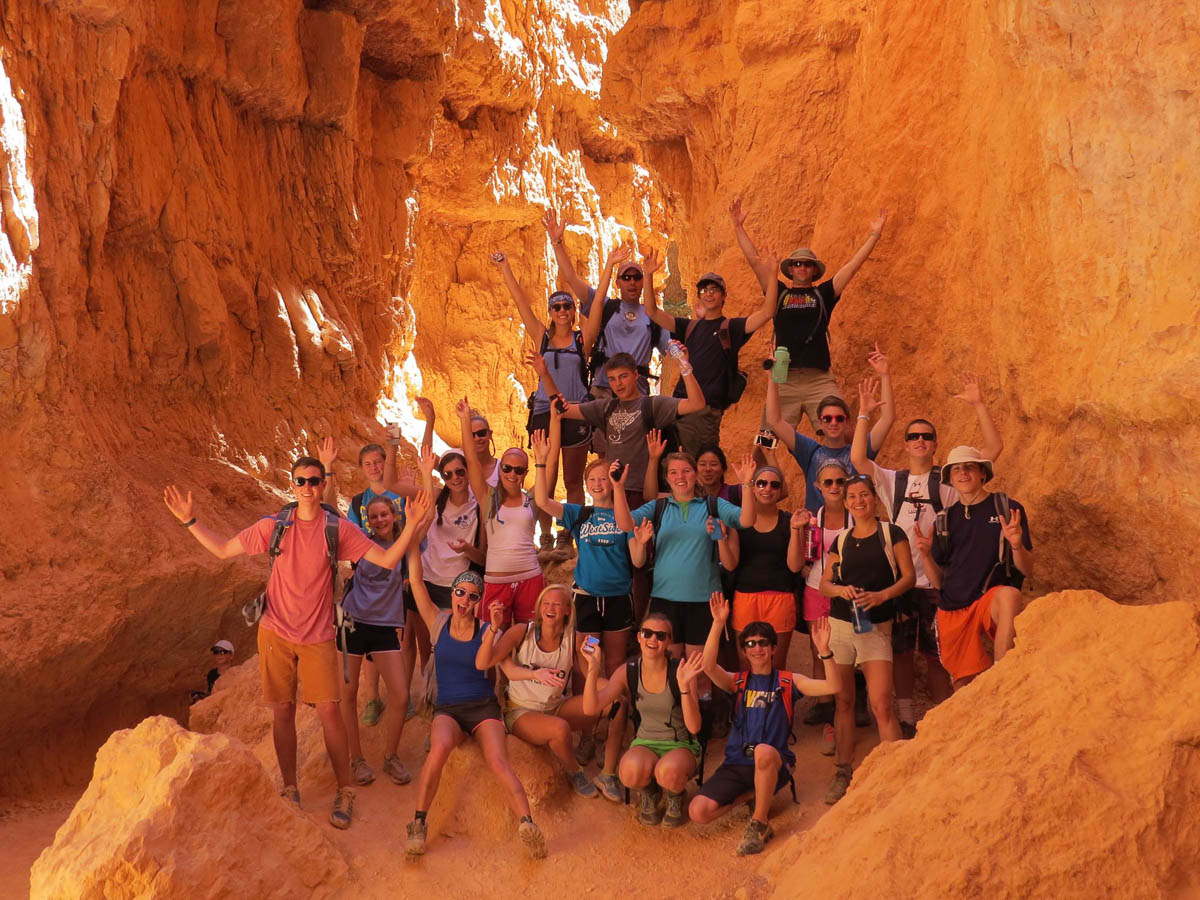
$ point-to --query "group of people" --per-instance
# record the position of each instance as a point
(686, 588)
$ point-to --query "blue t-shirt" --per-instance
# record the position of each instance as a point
(376, 595)
(358, 512)
(973, 550)
(811, 455)
(628, 331)
(458, 681)
(603, 568)
(760, 718)
(684, 569)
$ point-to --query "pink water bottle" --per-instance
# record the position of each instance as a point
(812, 546)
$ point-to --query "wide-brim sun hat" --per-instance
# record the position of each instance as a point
(798, 254)
(966, 454)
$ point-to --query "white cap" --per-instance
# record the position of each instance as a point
(223, 645)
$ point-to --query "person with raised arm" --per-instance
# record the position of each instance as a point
(465, 704)
(296, 631)
(713, 341)
(913, 495)
(803, 316)
(758, 761)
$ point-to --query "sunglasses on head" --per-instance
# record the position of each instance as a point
(454, 473)
(631, 276)
(828, 418)
(482, 432)
(562, 306)
(751, 643)
(830, 482)
(920, 436)
(772, 485)
(470, 595)
(648, 633)
(314, 480)
(507, 469)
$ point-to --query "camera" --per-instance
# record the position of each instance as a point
(766, 439)
(748, 749)
(619, 470)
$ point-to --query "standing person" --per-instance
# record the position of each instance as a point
(713, 341)
(222, 652)
(758, 761)
(867, 568)
(465, 705)
(295, 634)
(660, 690)
(916, 495)
(513, 575)
(979, 563)
(803, 317)
(374, 599)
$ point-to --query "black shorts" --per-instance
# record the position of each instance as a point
(726, 785)
(916, 622)
(575, 432)
(595, 615)
(470, 716)
(367, 639)
(690, 622)
(439, 594)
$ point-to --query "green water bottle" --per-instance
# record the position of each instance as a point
(780, 369)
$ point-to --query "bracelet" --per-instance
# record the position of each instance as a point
(189, 523)
(861, 416)
(685, 372)
(684, 693)
(830, 656)
(539, 465)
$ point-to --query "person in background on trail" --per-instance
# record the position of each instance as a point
(713, 341)
(758, 762)
(660, 691)
(375, 600)
(866, 569)
(803, 316)
(222, 652)
(561, 362)
(464, 705)
(978, 563)
(296, 632)
(915, 495)
(513, 575)
(836, 430)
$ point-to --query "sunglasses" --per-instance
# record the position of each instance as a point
(838, 418)
(648, 633)
(562, 306)
(803, 262)
(830, 482)
(314, 481)
(631, 276)
(751, 643)
(507, 469)
(482, 432)
(220, 653)
(454, 473)
(470, 595)
(920, 436)
(771, 485)
(710, 289)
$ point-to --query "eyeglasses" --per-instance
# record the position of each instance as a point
(482, 432)
(710, 289)
(920, 436)
(751, 643)
(470, 595)
(838, 418)
(454, 473)
(562, 306)
(631, 276)
(830, 482)
(506, 469)
(648, 633)
(314, 480)
(770, 485)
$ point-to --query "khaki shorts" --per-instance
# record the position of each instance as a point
(279, 661)
(850, 648)
(801, 394)
(512, 713)
(699, 429)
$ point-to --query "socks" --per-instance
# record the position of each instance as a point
(905, 708)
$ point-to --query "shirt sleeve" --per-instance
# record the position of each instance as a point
(666, 410)
(803, 452)
(352, 543)
(825, 289)
(730, 514)
(593, 412)
(680, 328)
(570, 515)
(257, 538)
(642, 513)
(885, 482)
(585, 303)
(898, 535)
(738, 335)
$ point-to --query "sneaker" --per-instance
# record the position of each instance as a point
(343, 808)
(651, 811)
(675, 814)
(415, 845)
(532, 837)
(394, 769)
(908, 730)
(363, 775)
(582, 786)
(837, 787)
(755, 838)
(610, 787)
(586, 749)
(819, 714)
(372, 711)
(828, 742)
(291, 794)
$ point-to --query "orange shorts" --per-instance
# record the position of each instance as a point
(279, 660)
(776, 607)
(960, 637)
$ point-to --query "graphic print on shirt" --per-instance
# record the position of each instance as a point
(796, 300)
(620, 420)
(601, 533)
(760, 699)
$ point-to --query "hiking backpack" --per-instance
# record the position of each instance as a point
(600, 347)
(735, 379)
(784, 690)
(885, 537)
(935, 492)
(575, 349)
(660, 508)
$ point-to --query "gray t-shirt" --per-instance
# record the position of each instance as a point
(628, 331)
(627, 428)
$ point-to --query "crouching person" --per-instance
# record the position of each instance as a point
(757, 762)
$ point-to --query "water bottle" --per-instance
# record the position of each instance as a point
(780, 369)
(862, 619)
(715, 534)
(675, 349)
(811, 547)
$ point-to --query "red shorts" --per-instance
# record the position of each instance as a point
(960, 637)
(816, 604)
(518, 599)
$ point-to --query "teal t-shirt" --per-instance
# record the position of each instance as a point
(684, 570)
(603, 568)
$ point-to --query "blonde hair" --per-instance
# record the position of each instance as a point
(568, 602)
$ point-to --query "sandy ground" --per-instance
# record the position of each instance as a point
(26, 828)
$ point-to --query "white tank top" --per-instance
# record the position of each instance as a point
(828, 536)
(533, 694)
(510, 549)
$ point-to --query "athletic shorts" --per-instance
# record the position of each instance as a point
(730, 783)
(439, 594)
(518, 598)
(512, 713)
(367, 639)
(662, 748)
(596, 615)
(280, 661)
(469, 716)
(960, 637)
(690, 622)
(775, 607)
(915, 626)
(575, 432)
(850, 649)
(816, 604)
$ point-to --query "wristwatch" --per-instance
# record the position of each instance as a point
(830, 656)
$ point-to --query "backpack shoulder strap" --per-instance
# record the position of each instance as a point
(545, 344)
(660, 508)
(935, 489)
(898, 494)
(1004, 512)
(673, 680)
(885, 535)
(584, 515)
(282, 518)
(439, 625)
(785, 688)
(331, 539)
(724, 336)
(633, 669)
(691, 327)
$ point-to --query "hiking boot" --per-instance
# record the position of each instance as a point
(828, 742)
(372, 711)
(675, 814)
(291, 794)
(651, 811)
(415, 845)
(546, 548)
(837, 787)
(755, 838)
(819, 714)
(586, 749)
(343, 808)
(582, 786)
(908, 730)
(610, 787)
(532, 837)
(362, 772)
(564, 549)
(394, 769)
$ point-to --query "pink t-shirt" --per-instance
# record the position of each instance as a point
(300, 591)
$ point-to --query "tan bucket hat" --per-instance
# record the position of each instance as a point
(965, 454)
(798, 254)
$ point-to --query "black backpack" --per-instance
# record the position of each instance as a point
(735, 379)
(660, 508)
(600, 348)
(1004, 554)
(576, 349)
(935, 493)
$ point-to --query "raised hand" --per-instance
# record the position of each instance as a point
(327, 453)
(496, 615)
(463, 408)
(617, 473)
(180, 505)
(681, 348)
(689, 668)
(767, 264)
(591, 658)
(819, 631)
(655, 443)
(878, 360)
(800, 519)
(1012, 528)
(541, 446)
(643, 531)
(971, 391)
(923, 540)
(554, 228)
(618, 255)
(419, 505)
(718, 604)
(868, 396)
(425, 405)
(537, 362)
(723, 529)
(499, 259)
(744, 470)
(427, 461)
(737, 213)
(880, 221)
(651, 262)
